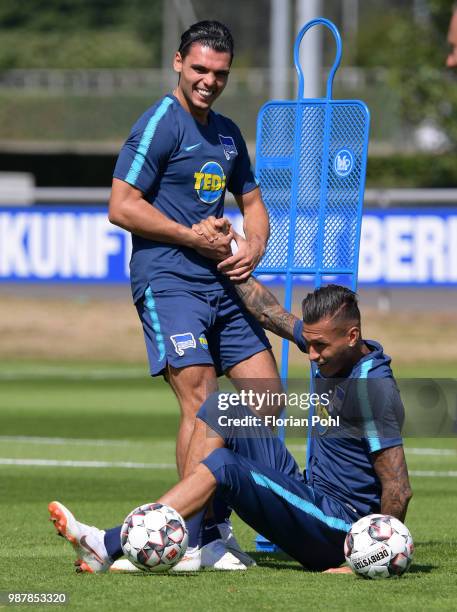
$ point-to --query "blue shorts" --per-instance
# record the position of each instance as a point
(258, 477)
(183, 328)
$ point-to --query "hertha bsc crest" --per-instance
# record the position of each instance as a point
(228, 144)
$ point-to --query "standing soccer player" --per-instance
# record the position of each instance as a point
(171, 173)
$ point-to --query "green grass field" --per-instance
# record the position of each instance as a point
(113, 416)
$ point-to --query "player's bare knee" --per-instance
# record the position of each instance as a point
(192, 385)
(221, 456)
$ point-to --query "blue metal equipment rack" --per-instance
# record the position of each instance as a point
(311, 158)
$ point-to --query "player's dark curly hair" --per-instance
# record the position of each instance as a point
(211, 34)
(331, 301)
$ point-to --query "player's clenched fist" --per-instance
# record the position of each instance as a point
(213, 238)
(239, 267)
(212, 228)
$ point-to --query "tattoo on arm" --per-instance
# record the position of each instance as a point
(263, 305)
(390, 466)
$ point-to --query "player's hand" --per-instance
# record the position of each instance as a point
(217, 250)
(239, 267)
(212, 228)
(338, 570)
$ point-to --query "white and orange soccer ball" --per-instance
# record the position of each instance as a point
(154, 537)
(379, 546)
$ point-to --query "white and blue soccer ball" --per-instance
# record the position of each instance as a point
(379, 546)
(154, 537)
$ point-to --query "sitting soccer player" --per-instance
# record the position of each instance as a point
(353, 470)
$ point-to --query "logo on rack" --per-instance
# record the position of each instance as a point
(210, 182)
(344, 162)
(228, 144)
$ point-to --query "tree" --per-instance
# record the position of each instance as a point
(80, 33)
(413, 55)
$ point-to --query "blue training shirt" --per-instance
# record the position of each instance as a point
(371, 416)
(182, 168)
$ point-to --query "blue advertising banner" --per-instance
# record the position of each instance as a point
(409, 247)
(399, 247)
(67, 244)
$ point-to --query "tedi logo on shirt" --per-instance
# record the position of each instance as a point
(210, 182)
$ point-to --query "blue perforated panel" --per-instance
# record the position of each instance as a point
(311, 161)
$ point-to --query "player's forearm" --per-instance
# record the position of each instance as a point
(256, 225)
(264, 307)
(392, 471)
(141, 218)
(395, 503)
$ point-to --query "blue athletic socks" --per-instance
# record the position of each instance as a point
(113, 542)
(194, 526)
(209, 532)
(221, 511)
